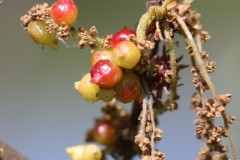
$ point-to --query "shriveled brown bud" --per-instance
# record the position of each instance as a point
(159, 155)
(183, 8)
(231, 119)
(225, 98)
(93, 31)
(158, 134)
(205, 36)
(63, 31)
(210, 66)
(149, 127)
(172, 106)
(204, 54)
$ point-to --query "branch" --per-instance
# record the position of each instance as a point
(206, 76)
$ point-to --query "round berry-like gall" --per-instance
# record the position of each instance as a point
(121, 35)
(64, 11)
(126, 54)
(104, 133)
(87, 89)
(84, 152)
(102, 54)
(106, 74)
(92, 152)
(128, 89)
(106, 94)
(37, 31)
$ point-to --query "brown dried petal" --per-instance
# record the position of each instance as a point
(205, 36)
(168, 76)
(93, 31)
(146, 158)
(51, 27)
(196, 100)
(195, 70)
(218, 110)
(144, 145)
(40, 12)
(204, 150)
(220, 157)
(197, 121)
(183, 8)
(204, 54)
(172, 106)
(145, 45)
(149, 127)
(215, 134)
(63, 31)
(231, 119)
(210, 66)
(189, 48)
(195, 80)
(225, 98)
(132, 38)
(106, 42)
(201, 131)
(85, 39)
(223, 149)
(158, 134)
(26, 19)
(193, 20)
(159, 155)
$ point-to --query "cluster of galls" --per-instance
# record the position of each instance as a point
(111, 75)
(46, 25)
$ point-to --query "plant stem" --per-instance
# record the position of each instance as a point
(148, 99)
(206, 76)
(224, 115)
(173, 62)
(230, 137)
(144, 116)
(196, 54)
(142, 25)
(146, 19)
(153, 126)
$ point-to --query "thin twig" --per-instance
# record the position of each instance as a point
(153, 126)
(196, 54)
(147, 18)
(224, 115)
(150, 107)
(173, 62)
(144, 116)
(230, 137)
(206, 76)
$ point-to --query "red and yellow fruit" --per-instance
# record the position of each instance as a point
(104, 133)
(121, 35)
(126, 54)
(37, 31)
(128, 89)
(64, 11)
(102, 54)
(84, 152)
(106, 74)
(106, 94)
(87, 89)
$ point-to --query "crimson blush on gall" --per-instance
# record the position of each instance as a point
(106, 74)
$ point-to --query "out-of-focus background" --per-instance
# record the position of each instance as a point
(41, 113)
